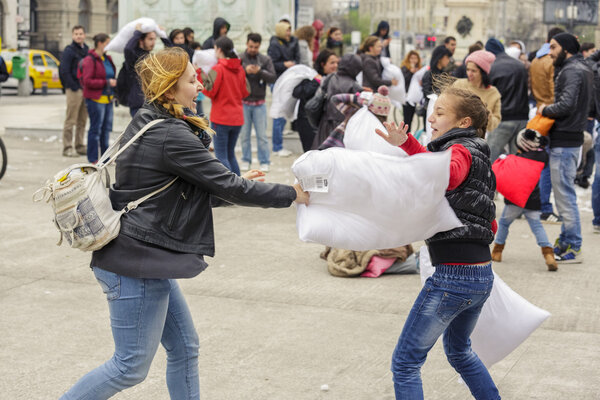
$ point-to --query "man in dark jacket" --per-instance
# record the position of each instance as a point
(383, 33)
(139, 46)
(284, 52)
(259, 72)
(76, 110)
(220, 28)
(572, 95)
(510, 77)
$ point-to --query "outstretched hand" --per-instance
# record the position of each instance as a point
(397, 135)
(253, 174)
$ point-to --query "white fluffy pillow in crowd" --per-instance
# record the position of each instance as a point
(204, 59)
(506, 320)
(283, 103)
(119, 42)
(360, 134)
(363, 200)
(415, 89)
(397, 92)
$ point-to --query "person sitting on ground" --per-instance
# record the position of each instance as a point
(370, 263)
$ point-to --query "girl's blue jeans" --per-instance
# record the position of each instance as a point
(449, 304)
(143, 314)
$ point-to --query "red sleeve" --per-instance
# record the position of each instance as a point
(460, 161)
(412, 146)
(88, 67)
(494, 226)
(460, 164)
(212, 93)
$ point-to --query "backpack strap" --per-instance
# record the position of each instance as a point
(132, 205)
(108, 158)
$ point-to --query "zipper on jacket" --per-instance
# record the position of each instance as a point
(177, 210)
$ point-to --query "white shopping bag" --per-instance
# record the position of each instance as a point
(360, 134)
(119, 42)
(415, 89)
(397, 93)
(363, 200)
(283, 103)
(506, 320)
(204, 59)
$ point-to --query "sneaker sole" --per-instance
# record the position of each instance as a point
(551, 222)
(575, 261)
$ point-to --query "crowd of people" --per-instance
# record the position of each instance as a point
(480, 109)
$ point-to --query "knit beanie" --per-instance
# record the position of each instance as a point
(380, 103)
(568, 42)
(483, 59)
(494, 46)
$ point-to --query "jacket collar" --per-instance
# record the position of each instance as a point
(452, 134)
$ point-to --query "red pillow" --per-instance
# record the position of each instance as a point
(517, 177)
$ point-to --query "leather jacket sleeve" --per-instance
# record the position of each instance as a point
(185, 156)
(566, 101)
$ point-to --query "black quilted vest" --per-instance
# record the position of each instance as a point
(472, 201)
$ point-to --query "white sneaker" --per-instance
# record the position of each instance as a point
(244, 166)
(265, 167)
(283, 153)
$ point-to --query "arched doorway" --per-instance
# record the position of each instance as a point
(85, 11)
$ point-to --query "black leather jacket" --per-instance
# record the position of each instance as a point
(510, 77)
(573, 87)
(180, 217)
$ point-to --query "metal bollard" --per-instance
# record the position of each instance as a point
(44, 88)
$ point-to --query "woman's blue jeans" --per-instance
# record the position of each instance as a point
(224, 140)
(101, 124)
(512, 212)
(144, 313)
(449, 303)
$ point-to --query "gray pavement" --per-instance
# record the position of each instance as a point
(273, 323)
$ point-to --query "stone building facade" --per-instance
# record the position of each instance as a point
(46, 24)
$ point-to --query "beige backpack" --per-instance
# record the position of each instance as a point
(79, 197)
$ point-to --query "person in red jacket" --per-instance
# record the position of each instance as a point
(98, 75)
(226, 85)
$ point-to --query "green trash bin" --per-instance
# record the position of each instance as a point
(18, 67)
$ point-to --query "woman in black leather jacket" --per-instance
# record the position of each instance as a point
(168, 235)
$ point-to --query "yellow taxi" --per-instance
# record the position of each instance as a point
(43, 67)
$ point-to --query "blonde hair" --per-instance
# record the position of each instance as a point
(406, 61)
(159, 73)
